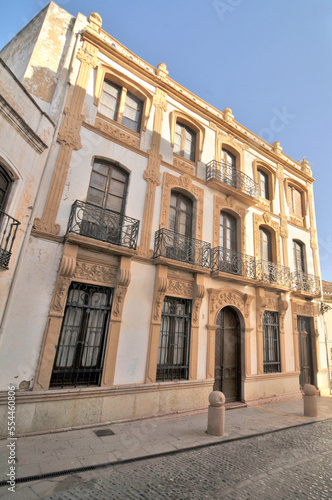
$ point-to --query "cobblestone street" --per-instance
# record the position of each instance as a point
(290, 464)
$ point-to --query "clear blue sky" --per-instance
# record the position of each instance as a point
(260, 58)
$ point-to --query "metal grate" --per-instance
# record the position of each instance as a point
(271, 342)
(305, 282)
(174, 340)
(229, 261)
(103, 224)
(179, 247)
(227, 174)
(8, 230)
(269, 272)
(80, 352)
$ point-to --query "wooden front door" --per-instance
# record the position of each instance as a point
(228, 355)
(305, 350)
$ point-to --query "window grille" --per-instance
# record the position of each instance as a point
(80, 352)
(174, 340)
(271, 342)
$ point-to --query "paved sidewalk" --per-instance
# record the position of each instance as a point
(61, 451)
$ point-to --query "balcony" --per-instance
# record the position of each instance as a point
(8, 230)
(229, 180)
(234, 263)
(273, 274)
(304, 284)
(180, 248)
(103, 225)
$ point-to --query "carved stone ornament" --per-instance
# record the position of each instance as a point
(228, 115)
(95, 21)
(277, 149)
(96, 272)
(115, 132)
(158, 304)
(159, 100)
(118, 300)
(220, 299)
(152, 173)
(296, 221)
(60, 294)
(283, 227)
(87, 58)
(267, 218)
(183, 166)
(69, 132)
(305, 309)
(196, 310)
(305, 166)
(46, 227)
(178, 287)
(272, 304)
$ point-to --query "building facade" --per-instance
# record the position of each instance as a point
(171, 251)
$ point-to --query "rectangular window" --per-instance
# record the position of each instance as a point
(120, 105)
(295, 201)
(185, 141)
(174, 340)
(271, 342)
(80, 351)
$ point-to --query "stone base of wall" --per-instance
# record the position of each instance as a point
(64, 409)
(271, 387)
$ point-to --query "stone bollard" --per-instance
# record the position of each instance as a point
(216, 414)
(310, 401)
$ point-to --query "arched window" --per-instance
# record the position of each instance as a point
(265, 244)
(105, 204)
(108, 186)
(5, 184)
(180, 214)
(180, 244)
(228, 168)
(263, 184)
(120, 105)
(298, 252)
(185, 141)
(228, 231)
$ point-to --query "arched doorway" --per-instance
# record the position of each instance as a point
(228, 355)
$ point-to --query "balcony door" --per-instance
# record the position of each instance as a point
(106, 202)
(298, 257)
(181, 223)
(228, 168)
(228, 243)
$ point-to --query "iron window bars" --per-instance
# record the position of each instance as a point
(103, 224)
(229, 261)
(174, 340)
(305, 282)
(271, 342)
(80, 351)
(226, 173)
(8, 230)
(179, 247)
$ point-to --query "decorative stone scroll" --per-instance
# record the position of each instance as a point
(115, 132)
(183, 166)
(179, 287)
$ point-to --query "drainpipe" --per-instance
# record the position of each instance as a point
(70, 57)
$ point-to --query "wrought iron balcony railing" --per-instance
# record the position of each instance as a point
(178, 247)
(229, 261)
(223, 172)
(303, 282)
(269, 272)
(103, 225)
(8, 230)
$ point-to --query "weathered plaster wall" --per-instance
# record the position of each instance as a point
(18, 51)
